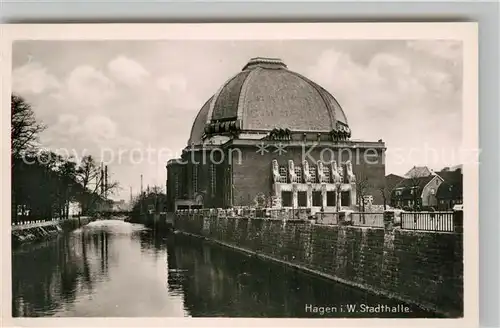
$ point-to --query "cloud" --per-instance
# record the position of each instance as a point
(176, 92)
(127, 71)
(33, 78)
(68, 124)
(172, 83)
(444, 49)
(100, 128)
(407, 93)
(394, 96)
(385, 83)
(88, 87)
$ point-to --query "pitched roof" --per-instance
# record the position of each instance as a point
(392, 180)
(406, 186)
(452, 187)
(419, 182)
(418, 171)
(453, 177)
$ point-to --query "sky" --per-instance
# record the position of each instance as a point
(132, 103)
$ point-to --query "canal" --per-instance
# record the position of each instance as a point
(119, 269)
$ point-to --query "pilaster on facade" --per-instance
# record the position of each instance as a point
(313, 179)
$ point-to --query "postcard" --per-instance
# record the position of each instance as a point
(240, 174)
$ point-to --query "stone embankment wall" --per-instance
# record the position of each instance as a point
(159, 221)
(43, 230)
(419, 267)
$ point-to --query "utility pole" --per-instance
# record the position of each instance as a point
(106, 182)
(102, 180)
(101, 193)
(141, 197)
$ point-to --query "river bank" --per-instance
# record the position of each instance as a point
(45, 230)
(413, 267)
(112, 268)
(156, 221)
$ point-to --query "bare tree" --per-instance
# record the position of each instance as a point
(156, 190)
(68, 177)
(362, 185)
(338, 192)
(152, 198)
(385, 194)
(87, 171)
(100, 191)
(24, 127)
(414, 181)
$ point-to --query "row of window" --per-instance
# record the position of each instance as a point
(213, 173)
(194, 180)
(453, 201)
(317, 199)
(409, 203)
(283, 170)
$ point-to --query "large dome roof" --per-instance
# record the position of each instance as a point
(266, 95)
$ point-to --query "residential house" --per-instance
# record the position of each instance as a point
(450, 192)
(417, 192)
(121, 205)
(391, 181)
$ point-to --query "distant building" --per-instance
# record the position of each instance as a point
(418, 172)
(418, 192)
(74, 208)
(391, 182)
(120, 205)
(450, 192)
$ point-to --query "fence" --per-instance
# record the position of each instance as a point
(24, 220)
(327, 217)
(368, 219)
(428, 221)
(433, 221)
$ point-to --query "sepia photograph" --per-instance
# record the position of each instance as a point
(243, 177)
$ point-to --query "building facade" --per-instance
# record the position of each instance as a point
(417, 193)
(391, 181)
(450, 192)
(271, 137)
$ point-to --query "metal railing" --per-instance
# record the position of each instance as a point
(367, 219)
(429, 221)
(327, 218)
(31, 220)
(425, 221)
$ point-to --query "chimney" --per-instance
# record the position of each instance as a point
(102, 180)
(106, 181)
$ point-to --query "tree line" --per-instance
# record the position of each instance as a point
(45, 183)
(153, 200)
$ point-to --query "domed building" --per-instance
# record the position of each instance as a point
(272, 135)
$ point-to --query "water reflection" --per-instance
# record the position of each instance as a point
(113, 268)
(219, 282)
